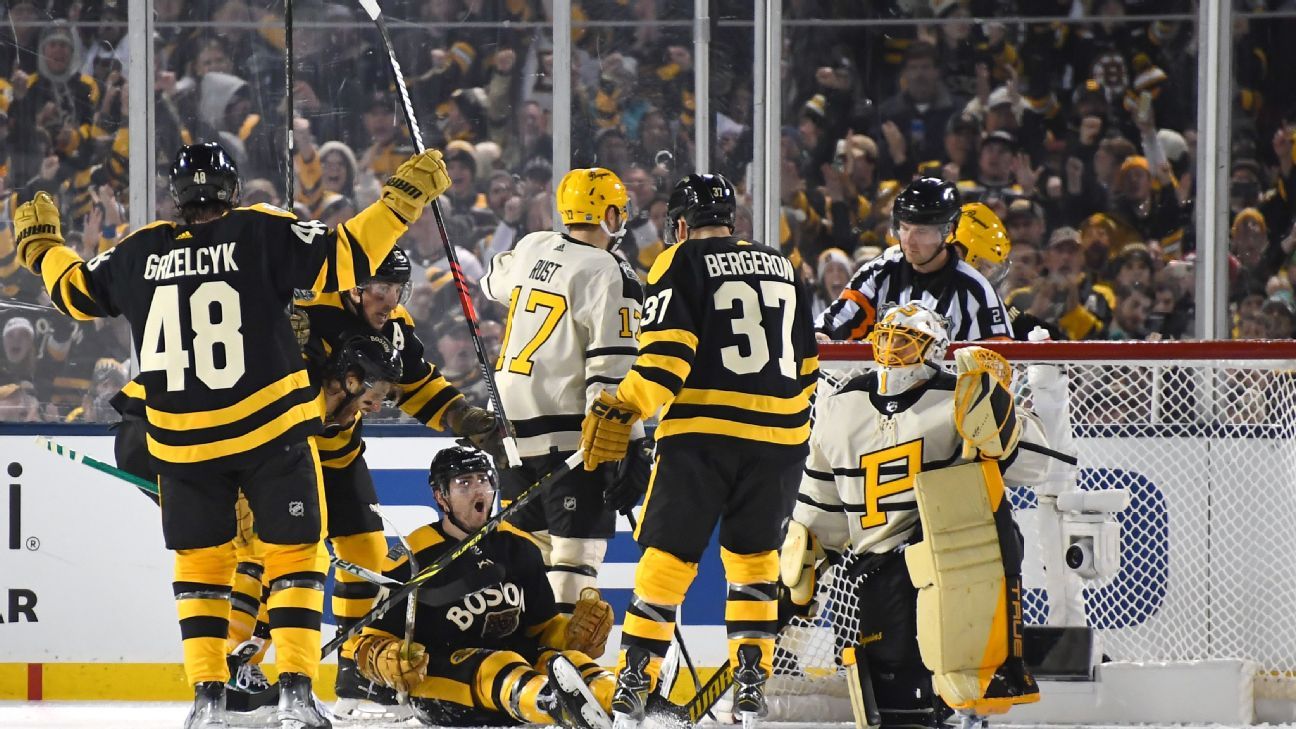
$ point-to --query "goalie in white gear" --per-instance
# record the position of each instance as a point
(875, 443)
(573, 316)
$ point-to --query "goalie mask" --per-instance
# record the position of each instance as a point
(909, 343)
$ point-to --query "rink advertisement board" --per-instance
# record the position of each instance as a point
(85, 579)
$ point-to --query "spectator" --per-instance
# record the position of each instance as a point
(1025, 222)
(833, 273)
(913, 121)
(19, 365)
(1066, 300)
(1145, 207)
(1132, 268)
(1130, 320)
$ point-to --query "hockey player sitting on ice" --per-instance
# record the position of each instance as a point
(489, 646)
(905, 479)
(572, 319)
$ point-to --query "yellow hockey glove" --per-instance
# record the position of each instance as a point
(605, 432)
(984, 413)
(590, 623)
(36, 230)
(419, 180)
(383, 660)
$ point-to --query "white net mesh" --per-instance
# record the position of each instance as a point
(1205, 449)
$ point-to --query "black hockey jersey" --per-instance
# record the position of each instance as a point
(424, 393)
(222, 375)
(726, 344)
(494, 596)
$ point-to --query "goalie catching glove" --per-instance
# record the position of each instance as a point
(418, 181)
(605, 431)
(383, 660)
(590, 623)
(984, 413)
(37, 229)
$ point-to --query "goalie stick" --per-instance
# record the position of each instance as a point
(440, 563)
(456, 272)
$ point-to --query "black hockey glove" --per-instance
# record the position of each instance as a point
(628, 485)
(478, 429)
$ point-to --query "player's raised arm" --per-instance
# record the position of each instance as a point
(325, 261)
(39, 239)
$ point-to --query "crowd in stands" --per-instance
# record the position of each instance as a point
(1080, 135)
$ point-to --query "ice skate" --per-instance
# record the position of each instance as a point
(297, 706)
(632, 690)
(749, 687)
(359, 699)
(578, 706)
(208, 710)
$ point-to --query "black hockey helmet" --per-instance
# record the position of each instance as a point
(701, 200)
(394, 269)
(928, 201)
(204, 173)
(456, 461)
(369, 357)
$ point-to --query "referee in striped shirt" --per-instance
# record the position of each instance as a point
(924, 268)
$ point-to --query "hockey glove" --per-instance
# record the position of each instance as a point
(383, 660)
(630, 483)
(478, 428)
(984, 413)
(605, 432)
(590, 623)
(37, 229)
(418, 181)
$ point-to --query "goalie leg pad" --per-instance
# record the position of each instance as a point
(799, 559)
(958, 570)
(859, 682)
(573, 566)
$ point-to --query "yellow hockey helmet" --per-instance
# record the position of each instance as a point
(584, 195)
(985, 239)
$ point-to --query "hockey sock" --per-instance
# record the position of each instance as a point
(751, 610)
(202, 591)
(296, 574)
(353, 596)
(507, 683)
(245, 603)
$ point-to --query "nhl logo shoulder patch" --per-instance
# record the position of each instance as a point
(569, 503)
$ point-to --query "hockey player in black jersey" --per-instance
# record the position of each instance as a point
(229, 405)
(489, 646)
(727, 353)
(376, 307)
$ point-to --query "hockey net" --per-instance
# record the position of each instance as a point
(1201, 436)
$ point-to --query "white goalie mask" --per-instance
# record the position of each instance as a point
(909, 343)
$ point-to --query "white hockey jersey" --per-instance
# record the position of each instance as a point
(572, 321)
(865, 450)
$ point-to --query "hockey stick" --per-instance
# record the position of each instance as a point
(456, 272)
(24, 306)
(290, 112)
(411, 602)
(679, 637)
(440, 563)
(98, 465)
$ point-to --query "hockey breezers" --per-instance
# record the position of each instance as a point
(440, 563)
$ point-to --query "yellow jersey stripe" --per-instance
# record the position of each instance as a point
(677, 336)
(718, 426)
(758, 403)
(809, 365)
(231, 446)
(674, 365)
(445, 689)
(249, 405)
(642, 394)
